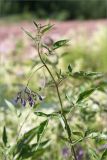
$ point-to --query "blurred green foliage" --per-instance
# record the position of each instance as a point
(61, 10)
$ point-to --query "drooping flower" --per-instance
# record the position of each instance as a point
(29, 96)
(31, 101)
(23, 102)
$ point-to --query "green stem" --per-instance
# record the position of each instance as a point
(58, 93)
(27, 116)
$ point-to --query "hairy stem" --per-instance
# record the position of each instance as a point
(67, 127)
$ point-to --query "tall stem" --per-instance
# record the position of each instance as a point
(59, 97)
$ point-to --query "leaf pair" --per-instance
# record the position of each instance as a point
(87, 75)
(23, 145)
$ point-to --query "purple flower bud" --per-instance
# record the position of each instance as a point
(31, 101)
(29, 98)
(23, 102)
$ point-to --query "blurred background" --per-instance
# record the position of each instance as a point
(83, 22)
(54, 9)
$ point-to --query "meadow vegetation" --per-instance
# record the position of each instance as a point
(54, 105)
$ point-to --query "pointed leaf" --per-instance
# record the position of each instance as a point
(4, 136)
(94, 74)
(41, 129)
(77, 133)
(65, 125)
(32, 151)
(87, 75)
(70, 68)
(94, 154)
(28, 33)
(10, 105)
(42, 145)
(41, 114)
(59, 44)
(47, 28)
(85, 94)
(35, 24)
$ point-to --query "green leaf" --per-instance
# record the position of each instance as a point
(10, 105)
(65, 125)
(59, 44)
(85, 94)
(88, 75)
(28, 33)
(28, 136)
(94, 74)
(35, 24)
(98, 135)
(77, 133)
(41, 114)
(42, 145)
(104, 155)
(41, 129)
(70, 68)
(93, 154)
(39, 153)
(31, 150)
(4, 136)
(47, 28)
(64, 139)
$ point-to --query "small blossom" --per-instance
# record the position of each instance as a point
(31, 101)
(29, 96)
(23, 102)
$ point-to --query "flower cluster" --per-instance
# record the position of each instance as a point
(29, 96)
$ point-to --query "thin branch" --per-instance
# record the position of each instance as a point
(33, 74)
(58, 93)
(23, 123)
